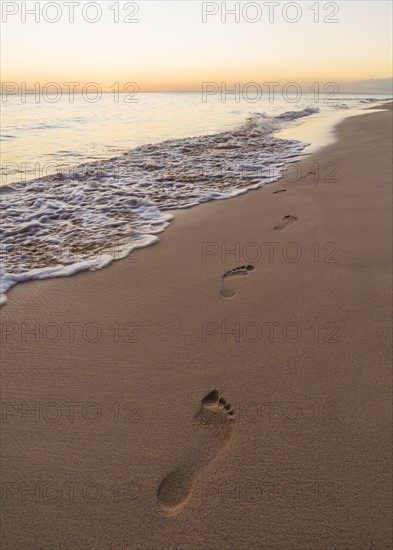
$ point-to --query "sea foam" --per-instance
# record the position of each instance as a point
(103, 211)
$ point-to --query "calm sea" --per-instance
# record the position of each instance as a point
(87, 181)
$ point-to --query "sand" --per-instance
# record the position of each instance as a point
(209, 399)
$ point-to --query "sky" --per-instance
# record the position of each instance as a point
(178, 45)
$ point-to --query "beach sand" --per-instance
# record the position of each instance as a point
(106, 443)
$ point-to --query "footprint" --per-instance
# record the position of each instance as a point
(216, 420)
(236, 272)
(287, 221)
(279, 191)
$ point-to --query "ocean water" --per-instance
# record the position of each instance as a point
(85, 183)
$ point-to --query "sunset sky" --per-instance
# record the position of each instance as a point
(170, 48)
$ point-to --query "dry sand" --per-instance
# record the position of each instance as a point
(107, 444)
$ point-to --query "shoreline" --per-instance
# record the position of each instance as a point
(168, 337)
(321, 127)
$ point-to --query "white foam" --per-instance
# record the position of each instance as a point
(62, 224)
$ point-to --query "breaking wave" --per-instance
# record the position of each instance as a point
(103, 211)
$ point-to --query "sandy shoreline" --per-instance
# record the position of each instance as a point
(301, 352)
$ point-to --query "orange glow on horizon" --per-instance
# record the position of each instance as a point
(172, 49)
